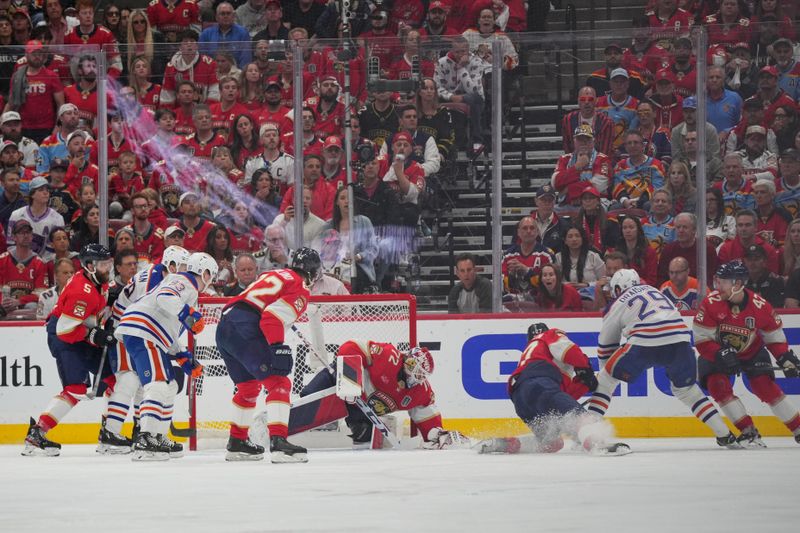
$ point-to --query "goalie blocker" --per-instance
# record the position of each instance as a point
(360, 370)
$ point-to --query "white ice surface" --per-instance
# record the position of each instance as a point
(669, 485)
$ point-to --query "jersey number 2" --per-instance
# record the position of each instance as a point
(645, 303)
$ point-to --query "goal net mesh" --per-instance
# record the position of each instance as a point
(328, 322)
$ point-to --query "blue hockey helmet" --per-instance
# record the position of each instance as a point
(734, 270)
(536, 329)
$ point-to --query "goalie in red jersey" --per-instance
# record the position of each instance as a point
(387, 379)
(735, 331)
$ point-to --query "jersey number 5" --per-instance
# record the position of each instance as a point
(650, 305)
(268, 284)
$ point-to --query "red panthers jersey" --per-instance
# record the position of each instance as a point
(727, 35)
(162, 181)
(81, 301)
(173, 17)
(55, 62)
(280, 296)
(195, 239)
(149, 246)
(386, 390)
(204, 75)
(746, 327)
(99, 36)
(554, 347)
(23, 277)
(327, 123)
(222, 119)
(279, 117)
(202, 150)
(76, 177)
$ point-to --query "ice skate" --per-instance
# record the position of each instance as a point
(729, 441)
(283, 451)
(751, 438)
(109, 443)
(797, 438)
(175, 448)
(137, 428)
(499, 445)
(243, 450)
(37, 444)
(148, 447)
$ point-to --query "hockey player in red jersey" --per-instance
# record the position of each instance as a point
(75, 337)
(250, 338)
(389, 381)
(735, 331)
(551, 375)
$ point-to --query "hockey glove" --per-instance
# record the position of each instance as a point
(282, 360)
(192, 319)
(587, 377)
(790, 364)
(100, 337)
(440, 439)
(728, 360)
(189, 365)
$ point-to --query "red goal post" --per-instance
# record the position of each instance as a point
(328, 322)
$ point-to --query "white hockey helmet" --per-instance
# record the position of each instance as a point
(622, 280)
(175, 254)
(418, 365)
(200, 262)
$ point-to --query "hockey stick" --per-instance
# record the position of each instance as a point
(92, 394)
(360, 403)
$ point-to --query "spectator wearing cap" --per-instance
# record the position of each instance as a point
(788, 183)
(522, 263)
(472, 293)
(685, 245)
(60, 198)
(189, 64)
(773, 222)
(148, 238)
(224, 112)
(435, 26)
(681, 288)
(379, 118)
(279, 163)
(87, 34)
(482, 36)
(645, 55)
(760, 279)
(746, 236)
(584, 166)
(600, 79)
(195, 229)
(759, 163)
(273, 110)
(274, 28)
(226, 34)
(23, 275)
(602, 231)
(741, 73)
(551, 227)
(788, 68)
(383, 42)
(173, 18)
(752, 115)
(80, 171)
(11, 198)
(683, 69)
(737, 192)
(55, 145)
(204, 139)
(36, 93)
(667, 21)
(424, 150)
(42, 218)
(667, 104)
(620, 107)
(174, 236)
(724, 107)
(770, 94)
(333, 170)
(11, 158)
(22, 25)
(690, 124)
(638, 175)
(459, 79)
(587, 115)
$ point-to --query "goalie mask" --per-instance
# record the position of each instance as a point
(418, 365)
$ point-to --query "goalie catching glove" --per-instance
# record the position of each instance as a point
(439, 439)
(192, 319)
(189, 365)
(790, 364)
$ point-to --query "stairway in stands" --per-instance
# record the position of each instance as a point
(530, 124)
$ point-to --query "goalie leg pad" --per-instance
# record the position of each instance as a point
(349, 377)
(317, 409)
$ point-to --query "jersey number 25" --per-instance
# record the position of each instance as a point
(650, 302)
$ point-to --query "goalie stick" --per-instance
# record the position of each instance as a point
(360, 403)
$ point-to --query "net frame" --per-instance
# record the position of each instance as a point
(341, 318)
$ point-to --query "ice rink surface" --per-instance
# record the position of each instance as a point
(669, 485)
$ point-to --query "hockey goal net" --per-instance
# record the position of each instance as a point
(328, 322)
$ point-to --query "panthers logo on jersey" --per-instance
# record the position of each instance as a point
(736, 337)
(382, 403)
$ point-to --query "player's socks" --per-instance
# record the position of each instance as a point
(243, 450)
(37, 444)
(787, 413)
(702, 408)
(736, 413)
(283, 451)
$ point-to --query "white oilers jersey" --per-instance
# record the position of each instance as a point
(47, 301)
(281, 168)
(154, 317)
(139, 285)
(645, 317)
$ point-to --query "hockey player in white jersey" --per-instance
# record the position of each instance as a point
(655, 335)
(127, 387)
(150, 329)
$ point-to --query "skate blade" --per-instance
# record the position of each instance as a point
(108, 449)
(242, 456)
(281, 457)
(176, 455)
(612, 450)
(144, 456)
(753, 445)
(33, 451)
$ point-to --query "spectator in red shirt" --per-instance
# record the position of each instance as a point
(322, 192)
(148, 238)
(585, 166)
(554, 294)
(746, 227)
(88, 35)
(196, 229)
(190, 64)
(44, 94)
(80, 171)
(602, 126)
(123, 184)
(225, 111)
(773, 222)
(685, 245)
